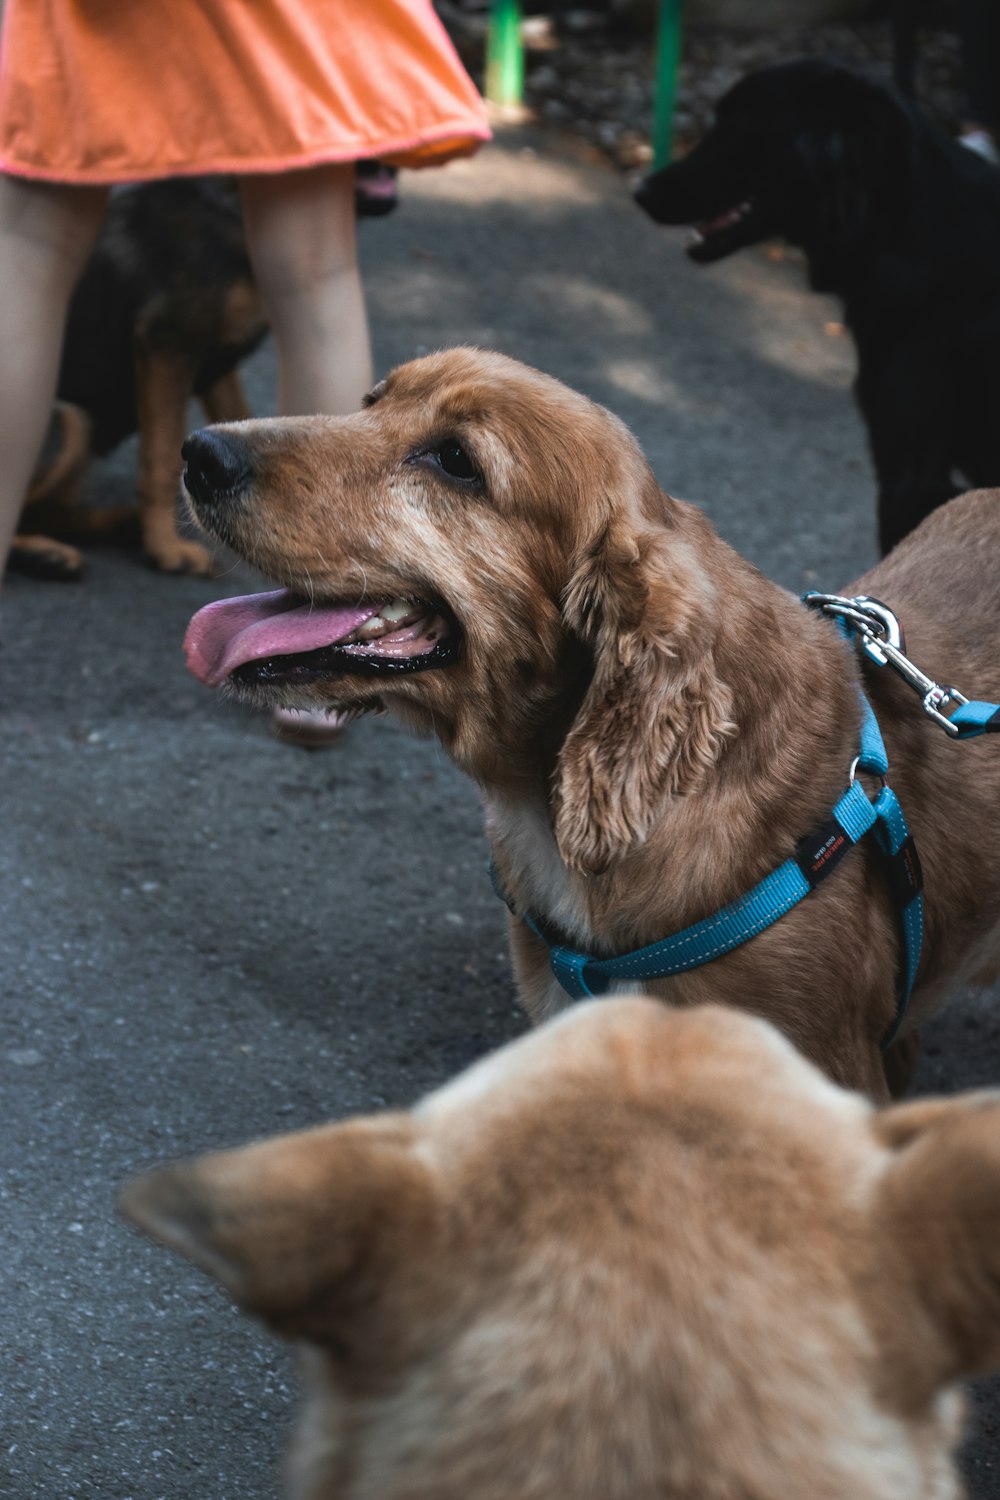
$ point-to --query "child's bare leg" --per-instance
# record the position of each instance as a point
(303, 244)
(302, 236)
(46, 233)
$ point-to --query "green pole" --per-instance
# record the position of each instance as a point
(668, 56)
(505, 55)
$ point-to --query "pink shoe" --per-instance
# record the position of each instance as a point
(375, 189)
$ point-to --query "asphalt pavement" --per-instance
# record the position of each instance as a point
(209, 936)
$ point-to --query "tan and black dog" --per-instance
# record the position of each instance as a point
(166, 309)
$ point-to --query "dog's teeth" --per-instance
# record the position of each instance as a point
(399, 612)
(365, 631)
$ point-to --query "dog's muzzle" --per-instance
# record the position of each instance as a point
(217, 467)
(645, 196)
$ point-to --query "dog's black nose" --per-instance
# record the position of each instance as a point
(217, 466)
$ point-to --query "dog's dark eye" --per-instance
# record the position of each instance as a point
(454, 460)
(449, 456)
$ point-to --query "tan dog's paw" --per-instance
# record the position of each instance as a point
(43, 557)
(175, 555)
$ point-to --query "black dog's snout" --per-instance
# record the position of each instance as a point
(647, 194)
(641, 194)
(217, 466)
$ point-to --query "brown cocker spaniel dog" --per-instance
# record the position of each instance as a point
(653, 724)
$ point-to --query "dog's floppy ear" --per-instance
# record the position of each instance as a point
(863, 163)
(656, 714)
(940, 1201)
(299, 1229)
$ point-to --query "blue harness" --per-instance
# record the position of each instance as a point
(855, 814)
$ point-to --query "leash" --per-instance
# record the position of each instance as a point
(881, 637)
(854, 815)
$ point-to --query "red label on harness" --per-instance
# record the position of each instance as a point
(906, 878)
(818, 853)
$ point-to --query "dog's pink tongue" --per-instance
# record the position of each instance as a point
(224, 635)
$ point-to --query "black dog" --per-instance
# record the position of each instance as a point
(900, 222)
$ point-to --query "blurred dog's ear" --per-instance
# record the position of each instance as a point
(863, 165)
(940, 1202)
(300, 1229)
(655, 715)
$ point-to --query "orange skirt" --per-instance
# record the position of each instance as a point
(103, 91)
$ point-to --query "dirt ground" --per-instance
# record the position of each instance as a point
(209, 936)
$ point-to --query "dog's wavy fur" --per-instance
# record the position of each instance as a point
(901, 223)
(607, 1264)
(653, 724)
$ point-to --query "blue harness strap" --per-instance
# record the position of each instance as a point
(902, 867)
(583, 976)
(970, 719)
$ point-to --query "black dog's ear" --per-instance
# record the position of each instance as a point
(861, 156)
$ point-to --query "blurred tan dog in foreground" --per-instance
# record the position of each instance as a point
(606, 1264)
(653, 724)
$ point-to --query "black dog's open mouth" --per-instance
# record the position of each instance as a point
(684, 194)
(280, 638)
(729, 231)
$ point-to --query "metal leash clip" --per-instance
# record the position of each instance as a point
(882, 640)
